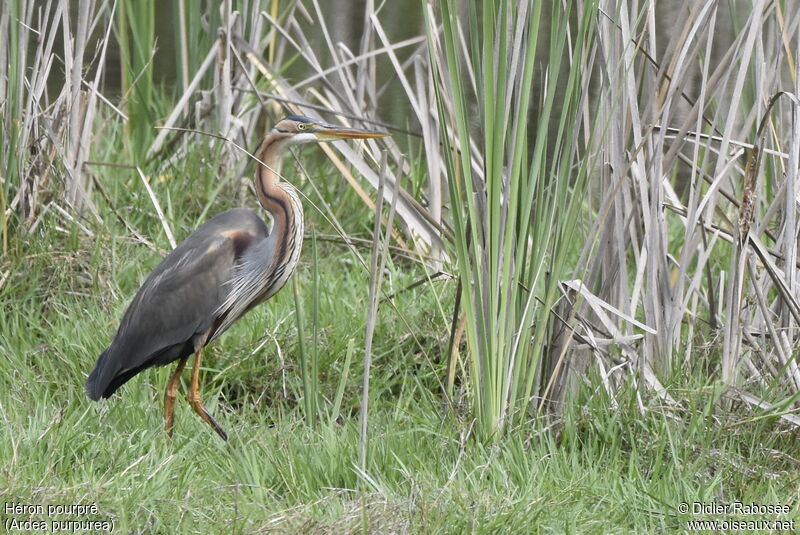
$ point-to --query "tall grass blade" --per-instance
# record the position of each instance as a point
(310, 392)
(135, 31)
(376, 265)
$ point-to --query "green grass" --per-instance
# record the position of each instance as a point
(606, 470)
(611, 470)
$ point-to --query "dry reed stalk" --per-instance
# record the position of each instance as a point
(376, 266)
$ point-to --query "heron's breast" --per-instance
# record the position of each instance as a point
(288, 255)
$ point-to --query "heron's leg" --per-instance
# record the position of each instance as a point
(169, 396)
(194, 395)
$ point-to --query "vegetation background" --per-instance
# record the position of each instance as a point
(561, 298)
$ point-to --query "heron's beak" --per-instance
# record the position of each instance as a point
(328, 132)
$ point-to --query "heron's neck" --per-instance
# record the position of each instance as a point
(280, 199)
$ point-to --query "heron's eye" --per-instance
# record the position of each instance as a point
(301, 126)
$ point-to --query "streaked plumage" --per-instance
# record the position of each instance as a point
(220, 272)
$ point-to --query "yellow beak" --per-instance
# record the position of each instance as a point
(331, 132)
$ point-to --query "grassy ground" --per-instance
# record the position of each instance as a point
(602, 469)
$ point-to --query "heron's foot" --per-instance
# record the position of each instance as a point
(197, 405)
(194, 388)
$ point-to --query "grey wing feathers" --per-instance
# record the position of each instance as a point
(177, 302)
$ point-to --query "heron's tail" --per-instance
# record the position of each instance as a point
(104, 372)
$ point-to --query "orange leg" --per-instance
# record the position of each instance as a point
(194, 395)
(169, 396)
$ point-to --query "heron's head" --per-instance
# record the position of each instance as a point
(300, 130)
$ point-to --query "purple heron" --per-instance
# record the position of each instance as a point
(214, 277)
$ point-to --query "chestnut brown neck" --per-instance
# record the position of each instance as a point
(280, 199)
